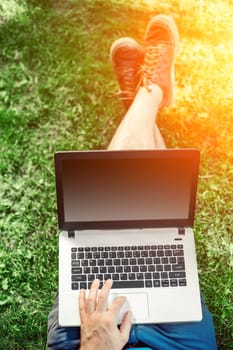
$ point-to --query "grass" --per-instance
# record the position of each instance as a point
(57, 93)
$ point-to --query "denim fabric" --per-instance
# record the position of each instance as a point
(61, 338)
(177, 336)
(169, 336)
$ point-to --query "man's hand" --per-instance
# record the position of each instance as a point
(99, 322)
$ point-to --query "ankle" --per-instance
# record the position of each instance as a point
(153, 91)
(146, 103)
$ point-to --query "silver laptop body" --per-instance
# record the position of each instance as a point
(128, 215)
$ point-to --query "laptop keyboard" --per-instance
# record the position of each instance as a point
(146, 266)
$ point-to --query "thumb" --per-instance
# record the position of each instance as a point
(125, 326)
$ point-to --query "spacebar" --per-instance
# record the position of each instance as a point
(128, 284)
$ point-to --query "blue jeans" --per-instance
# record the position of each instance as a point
(169, 336)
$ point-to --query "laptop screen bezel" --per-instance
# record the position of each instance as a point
(194, 154)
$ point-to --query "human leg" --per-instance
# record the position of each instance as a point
(61, 338)
(177, 336)
(127, 58)
(170, 336)
(138, 129)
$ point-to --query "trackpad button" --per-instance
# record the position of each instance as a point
(136, 302)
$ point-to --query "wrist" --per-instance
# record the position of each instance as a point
(89, 345)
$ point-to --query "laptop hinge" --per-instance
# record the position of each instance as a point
(71, 234)
(181, 230)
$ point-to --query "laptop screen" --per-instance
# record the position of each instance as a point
(126, 188)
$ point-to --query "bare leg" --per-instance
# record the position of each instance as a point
(138, 129)
(151, 67)
(159, 141)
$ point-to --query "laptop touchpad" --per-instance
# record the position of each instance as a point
(136, 302)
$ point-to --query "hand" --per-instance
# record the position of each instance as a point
(99, 322)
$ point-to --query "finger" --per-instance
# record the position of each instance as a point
(82, 305)
(92, 297)
(125, 327)
(102, 303)
(116, 306)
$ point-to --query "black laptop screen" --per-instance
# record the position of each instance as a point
(153, 188)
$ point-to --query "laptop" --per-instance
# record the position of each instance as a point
(128, 216)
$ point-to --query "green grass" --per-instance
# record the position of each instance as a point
(57, 93)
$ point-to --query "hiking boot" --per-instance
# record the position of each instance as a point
(127, 57)
(160, 49)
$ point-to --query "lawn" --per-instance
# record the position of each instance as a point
(57, 92)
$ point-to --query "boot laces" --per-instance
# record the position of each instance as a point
(152, 63)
